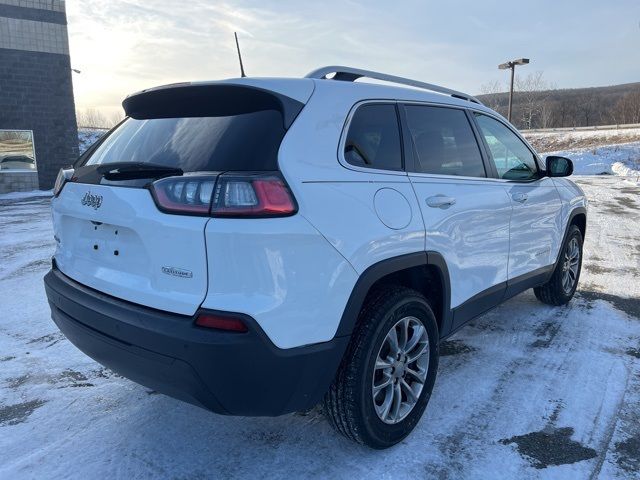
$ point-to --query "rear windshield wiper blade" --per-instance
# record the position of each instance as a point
(133, 170)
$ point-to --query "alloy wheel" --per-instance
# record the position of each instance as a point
(570, 265)
(400, 370)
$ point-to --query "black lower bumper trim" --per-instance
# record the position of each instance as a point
(228, 373)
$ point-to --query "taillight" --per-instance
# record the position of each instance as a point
(252, 195)
(188, 194)
(225, 195)
(219, 322)
(64, 175)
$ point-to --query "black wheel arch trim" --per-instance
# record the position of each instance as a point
(386, 267)
(574, 213)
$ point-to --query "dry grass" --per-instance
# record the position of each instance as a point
(558, 141)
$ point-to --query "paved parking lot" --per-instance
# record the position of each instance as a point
(526, 391)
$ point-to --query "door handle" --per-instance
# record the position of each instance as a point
(520, 197)
(440, 201)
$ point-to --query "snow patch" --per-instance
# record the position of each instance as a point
(622, 160)
(29, 194)
(540, 378)
(593, 152)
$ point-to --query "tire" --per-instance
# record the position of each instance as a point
(350, 404)
(555, 291)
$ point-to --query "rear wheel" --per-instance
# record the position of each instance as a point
(385, 380)
(564, 281)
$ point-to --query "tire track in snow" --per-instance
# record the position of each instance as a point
(472, 430)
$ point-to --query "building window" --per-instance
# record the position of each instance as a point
(17, 153)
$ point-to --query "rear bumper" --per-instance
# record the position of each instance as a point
(228, 373)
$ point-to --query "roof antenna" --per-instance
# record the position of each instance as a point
(242, 74)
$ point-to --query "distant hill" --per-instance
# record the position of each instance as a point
(576, 107)
(571, 107)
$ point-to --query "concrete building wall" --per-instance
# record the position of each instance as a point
(18, 182)
(36, 91)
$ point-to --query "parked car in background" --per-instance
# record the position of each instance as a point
(17, 162)
(256, 246)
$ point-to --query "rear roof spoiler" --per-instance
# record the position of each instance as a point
(208, 100)
(350, 74)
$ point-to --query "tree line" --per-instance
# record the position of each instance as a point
(538, 104)
(96, 118)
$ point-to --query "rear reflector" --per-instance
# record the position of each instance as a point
(219, 322)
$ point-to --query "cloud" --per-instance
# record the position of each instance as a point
(122, 46)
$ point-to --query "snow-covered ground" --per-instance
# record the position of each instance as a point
(595, 152)
(25, 195)
(526, 391)
(623, 159)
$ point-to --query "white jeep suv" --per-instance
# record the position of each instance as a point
(255, 246)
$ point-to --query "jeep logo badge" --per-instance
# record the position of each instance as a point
(92, 200)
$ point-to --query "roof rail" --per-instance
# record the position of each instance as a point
(350, 74)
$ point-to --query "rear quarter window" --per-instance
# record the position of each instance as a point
(373, 138)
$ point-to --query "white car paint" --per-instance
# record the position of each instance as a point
(147, 240)
(393, 208)
(282, 272)
(536, 225)
(294, 275)
(472, 234)
(345, 213)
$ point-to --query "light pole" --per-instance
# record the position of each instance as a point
(512, 66)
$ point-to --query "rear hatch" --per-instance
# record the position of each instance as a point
(111, 229)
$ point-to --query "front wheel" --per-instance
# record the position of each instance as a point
(385, 380)
(564, 280)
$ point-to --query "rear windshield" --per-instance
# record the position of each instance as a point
(247, 141)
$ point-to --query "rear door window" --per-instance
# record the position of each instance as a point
(444, 141)
(373, 138)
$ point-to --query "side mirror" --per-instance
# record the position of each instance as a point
(558, 166)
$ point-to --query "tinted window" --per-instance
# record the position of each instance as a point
(373, 139)
(249, 141)
(444, 141)
(512, 158)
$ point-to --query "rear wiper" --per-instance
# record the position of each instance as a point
(133, 170)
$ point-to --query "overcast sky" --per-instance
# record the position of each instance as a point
(124, 46)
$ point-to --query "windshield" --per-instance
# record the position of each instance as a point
(247, 142)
